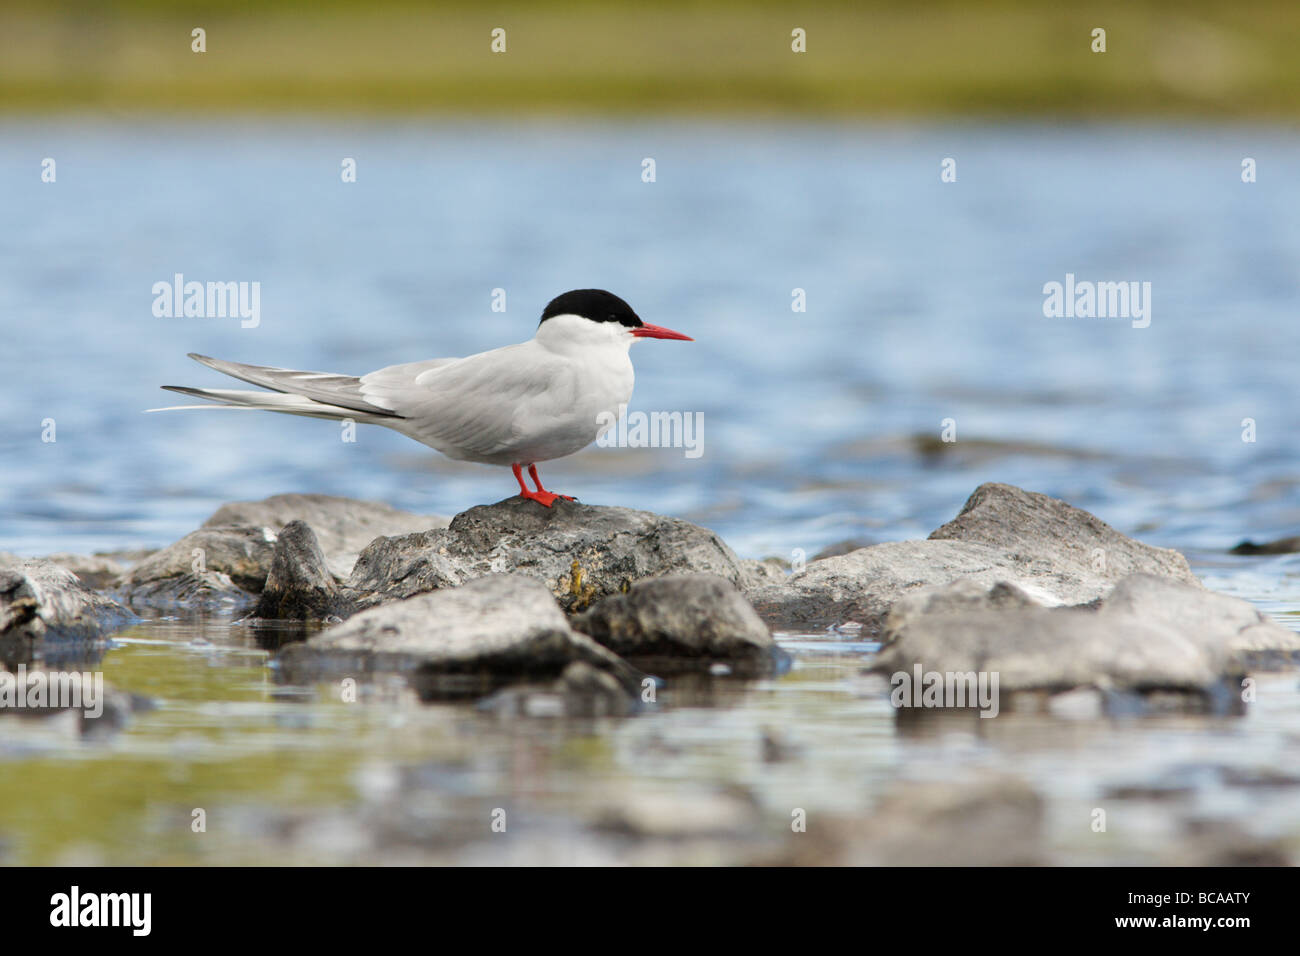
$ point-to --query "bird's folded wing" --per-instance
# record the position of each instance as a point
(470, 406)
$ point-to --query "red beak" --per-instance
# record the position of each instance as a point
(659, 332)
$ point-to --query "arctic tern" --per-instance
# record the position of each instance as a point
(542, 399)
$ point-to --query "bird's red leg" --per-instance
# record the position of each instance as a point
(541, 495)
(537, 480)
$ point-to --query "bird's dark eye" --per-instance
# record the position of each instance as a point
(613, 317)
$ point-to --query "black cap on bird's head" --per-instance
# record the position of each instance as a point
(601, 306)
(595, 304)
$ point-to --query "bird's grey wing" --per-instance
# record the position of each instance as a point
(343, 391)
(475, 407)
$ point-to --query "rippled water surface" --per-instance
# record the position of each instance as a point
(924, 303)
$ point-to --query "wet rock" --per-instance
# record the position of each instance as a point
(343, 526)
(464, 641)
(1280, 546)
(582, 552)
(225, 562)
(211, 567)
(300, 585)
(1149, 636)
(41, 603)
(1052, 551)
(683, 621)
(580, 691)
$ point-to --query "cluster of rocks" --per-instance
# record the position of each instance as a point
(581, 596)
(1054, 552)
(225, 563)
(574, 605)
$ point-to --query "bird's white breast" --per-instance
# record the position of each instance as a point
(586, 393)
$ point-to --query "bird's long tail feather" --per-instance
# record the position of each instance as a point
(312, 394)
(263, 401)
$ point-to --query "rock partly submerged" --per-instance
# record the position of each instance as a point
(1058, 554)
(457, 642)
(582, 553)
(212, 567)
(300, 585)
(225, 563)
(684, 622)
(43, 604)
(1148, 635)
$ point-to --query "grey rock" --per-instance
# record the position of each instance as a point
(102, 572)
(687, 621)
(1250, 638)
(1055, 553)
(41, 603)
(463, 641)
(958, 597)
(1042, 648)
(1013, 520)
(862, 585)
(582, 552)
(766, 571)
(211, 567)
(343, 526)
(1150, 634)
(300, 585)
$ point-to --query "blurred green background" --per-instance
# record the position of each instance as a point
(863, 58)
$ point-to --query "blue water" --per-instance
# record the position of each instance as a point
(924, 302)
